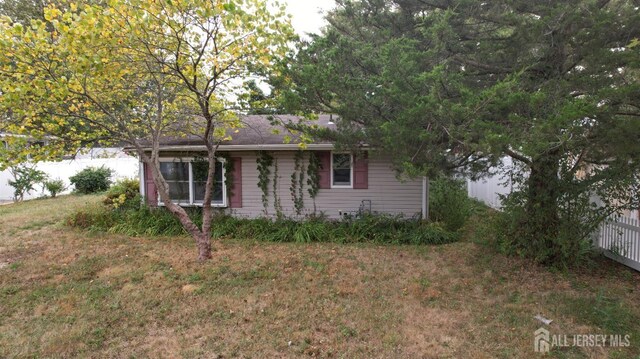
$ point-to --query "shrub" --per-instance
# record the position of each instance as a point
(92, 180)
(572, 245)
(123, 194)
(24, 180)
(449, 203)
(380, 229)
(54, 187)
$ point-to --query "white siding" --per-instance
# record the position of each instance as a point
(386, 193)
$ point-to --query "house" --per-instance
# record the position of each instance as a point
(259, 174)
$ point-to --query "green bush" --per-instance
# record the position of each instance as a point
(449, 203)
(54, 187)
(92, 180)
(380, 229)
(25, 178)
(123, 194)
(512, 232)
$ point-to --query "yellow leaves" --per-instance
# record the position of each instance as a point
(51, 13)
(111, 52)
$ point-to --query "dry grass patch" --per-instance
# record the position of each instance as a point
(65, 293)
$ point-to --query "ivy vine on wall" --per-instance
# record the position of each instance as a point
(201, 168)
(313, 174)
(276, 198)
(264, 161)
(297, 182)
(268, 178)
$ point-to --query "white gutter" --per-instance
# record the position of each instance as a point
(142, 179)
(269, 147)
(425, 198)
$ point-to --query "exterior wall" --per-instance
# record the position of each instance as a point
(386, 193)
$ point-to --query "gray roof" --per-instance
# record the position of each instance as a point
(257, 130)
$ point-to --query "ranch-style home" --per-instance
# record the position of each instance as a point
(258, 174)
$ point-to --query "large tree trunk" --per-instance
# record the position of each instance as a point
(543, 222)
(201, 237)
(204, 246)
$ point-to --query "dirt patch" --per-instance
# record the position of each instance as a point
(113, 271)
(189, 288)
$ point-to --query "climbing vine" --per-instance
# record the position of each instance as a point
(276, 199)
(201, 168)
(313, 174)
(264, 161)
(297, 183)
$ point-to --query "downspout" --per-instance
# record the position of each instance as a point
(142, 181)
(425, 198)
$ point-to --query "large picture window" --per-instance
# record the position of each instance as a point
(177, 176)
(187, 181)
(341, 170)
(200, 169)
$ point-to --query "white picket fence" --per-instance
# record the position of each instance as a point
(619, 239)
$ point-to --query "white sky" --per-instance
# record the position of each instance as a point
(308, 15)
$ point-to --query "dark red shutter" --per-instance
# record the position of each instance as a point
(236, 189)
(324, 172)
(361, 171)
(150, 191)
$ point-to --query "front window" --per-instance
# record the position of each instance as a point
(200, 169)
(177, 176)
(341, 171)
(187, 181)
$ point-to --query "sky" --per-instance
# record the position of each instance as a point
(307, 16)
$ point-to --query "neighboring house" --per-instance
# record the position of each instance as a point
(346, 184)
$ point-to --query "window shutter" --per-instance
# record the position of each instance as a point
(150, 190)
(324, 172)
(235, 201)
(361, 171)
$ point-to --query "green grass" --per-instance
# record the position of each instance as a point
(69, 293)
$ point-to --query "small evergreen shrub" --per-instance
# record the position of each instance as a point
(54, 187)
(92, 180)
(449, 203)
(123, 194)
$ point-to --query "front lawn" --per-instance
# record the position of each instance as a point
(67, 293)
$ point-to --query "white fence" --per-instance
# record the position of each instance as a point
(123, 166)
(619, 238)
(490, 188)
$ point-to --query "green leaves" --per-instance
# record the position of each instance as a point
(442, 86)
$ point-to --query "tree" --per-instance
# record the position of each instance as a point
(137, 71)
(444, 85)
(25, 178)
(256, 102)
